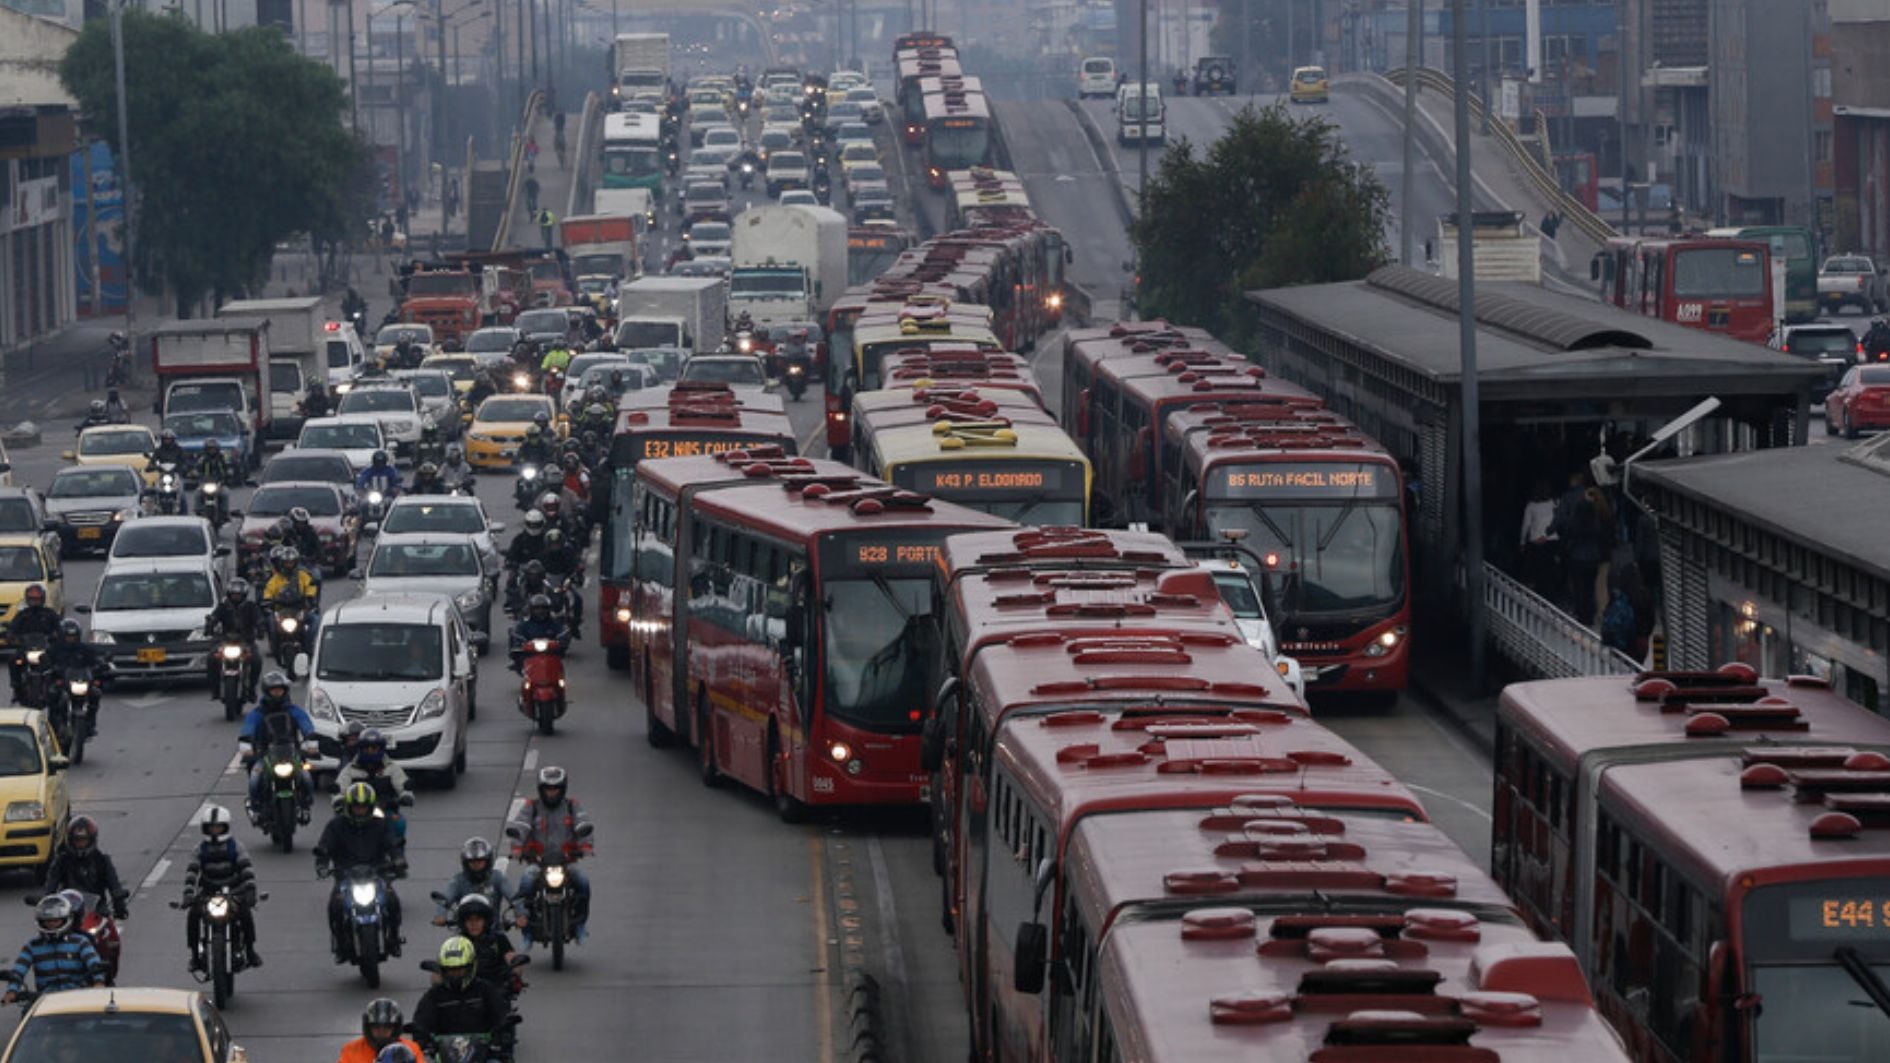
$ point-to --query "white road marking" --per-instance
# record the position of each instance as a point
(517, 806)
(531, 760)
(156, 875)
(235, 765)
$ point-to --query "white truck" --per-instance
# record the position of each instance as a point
(1141, 116)
(215, 365)
(305, 344)
(788, 264)
(687, 312)
(640, 62)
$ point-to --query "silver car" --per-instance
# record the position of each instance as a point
(428, 563)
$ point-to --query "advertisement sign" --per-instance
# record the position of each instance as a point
(98, 231)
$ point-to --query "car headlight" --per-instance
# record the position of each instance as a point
(97, 636)
(121, 516)
(469, 601)
(322, 706)
(363, 893)
(554, 877)
(25, 811)
(217, 907)
(1385, 642)
(481, 437)
(283, 769)
(232, 653)
(434, 704)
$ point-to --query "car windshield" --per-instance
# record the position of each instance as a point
(364, 652)
(1335, 559)
(20, 563)
(775, 138)
(769, 282)
(487, 341)
(362, 436)
(319, 468)
(698, 193)
(430, 385)
(871, 171)
(94, 483)
(709, 230)
(154, 590)
(725, 371)
(203, 425)
(860, 151)
(143, 538)
(117, 441)
(504, 410)
(1237, 591)
(393, 334)
(377, 400)
(1822, 341)
(188, 398)
(542, 321)
(458, 517)
(16, 515)
(278, 501)
(876, 648)
(19, 755)
(142, 1035)
(667, 361)
(424, 559)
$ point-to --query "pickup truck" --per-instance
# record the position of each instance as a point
(1852, 280)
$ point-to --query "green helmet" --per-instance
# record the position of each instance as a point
(359, 795)
(458, 962)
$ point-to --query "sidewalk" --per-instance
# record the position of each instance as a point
(1439, 677)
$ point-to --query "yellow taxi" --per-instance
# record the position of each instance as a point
(462, 369)
(25, 559)
(1309, 85)
(32, 789)
(498, 427)
(173, 1025)
(856, 153)
(129, 445)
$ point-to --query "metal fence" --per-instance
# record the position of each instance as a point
(1541, 639)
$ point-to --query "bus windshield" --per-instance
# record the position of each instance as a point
(632, 161)
(876, 648)
(1334, 559)
(957, 143)
(1718, 273)
(1818, 1012)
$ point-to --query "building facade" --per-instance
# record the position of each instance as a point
(38, 134)
(1860, 70)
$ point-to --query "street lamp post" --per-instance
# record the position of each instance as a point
(124, 156)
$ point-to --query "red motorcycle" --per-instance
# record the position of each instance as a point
(541, 693)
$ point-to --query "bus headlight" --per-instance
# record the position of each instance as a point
(839, 751)
(1385, 642)
(623, 616)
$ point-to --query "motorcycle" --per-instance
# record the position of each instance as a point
(95, 921)
(213, 504)
(118, 372)
(541, 691)
(285, 804)
(748, 174)
(373, 507)
(233, 665)
(166, 497)
(525, 492)
(797, 379)
(554, 383)
(364, 891)
(288, 631)
(216, 939)
(551, 913)
(36, 679)
(515, 983)
(73, 706)
(471, 1047)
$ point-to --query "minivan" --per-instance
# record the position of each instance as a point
(1096, 77)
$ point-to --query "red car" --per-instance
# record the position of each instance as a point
(1860, 401)
(330, 510)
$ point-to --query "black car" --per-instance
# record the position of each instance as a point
(89, 503)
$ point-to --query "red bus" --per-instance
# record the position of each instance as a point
(914, 67)
(1709, 844)
(1321, 505)
(957, 119)
(783, 612)
(1271, 930)
(1705, 283)
(959, 365)
(1065, 729)
(871, 251)
(1579, 177)
(693, 419)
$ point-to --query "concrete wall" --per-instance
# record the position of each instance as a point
(1860, 63)
(30, 49)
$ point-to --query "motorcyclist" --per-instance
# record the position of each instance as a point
(220, 862)
(537, 624)
(455, 471)
(477, 874)
(289, 575)
(79, 864)
(356, 837)
(461, 1002)
(59, 958)
(34, 622)
(596, 417)
(389, 780)
(478, 923)
(427, 481)
(481, 390)
(70, 652)
(592, 453)
(275, 721)
(240, 619)
(380, 475)
(404, 355)
(551, 504)
(430, 448)
(538, 448)
(531, 581)
(576, 483)
(96, 414)
(214, 467)
(558, 357)
(550, 824)
(564, 564)
(302, 535)
(529, 544)
(169, 451)
(381, 1027)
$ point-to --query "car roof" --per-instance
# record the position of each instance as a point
(145, 999)
(160, 521)
(22, 539)
(338, 419)
(308, 452)
(202, 564)
(404, 607)
(101, 429)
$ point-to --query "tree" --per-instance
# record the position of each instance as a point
(237, 144)
(1276, 201)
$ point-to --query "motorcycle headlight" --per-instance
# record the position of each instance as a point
(167, 482)
(232, 653)
(434, 704)
(35, 656)
(541, 645)
(289, 624)
(375, 498)
(322, 706)
(283, 769)
(25, 811)
(520, 380)
(554, 877)
(80, 688)
(217, 907)
(363, 893)
(210, 487)
(529, 472)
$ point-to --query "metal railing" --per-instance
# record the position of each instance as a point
(1541, 178)
(590, 127)
(1541, 639)
(515, 167)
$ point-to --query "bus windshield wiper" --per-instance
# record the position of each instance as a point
(1866, 978)
(885, 588)
(1332, 531)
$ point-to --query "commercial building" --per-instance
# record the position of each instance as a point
(1860, 73)
(38, 134)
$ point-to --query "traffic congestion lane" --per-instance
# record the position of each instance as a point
(1071, 190)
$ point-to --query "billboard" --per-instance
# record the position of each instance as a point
(98, 216)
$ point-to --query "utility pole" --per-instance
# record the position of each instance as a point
(1489, 81)
(124, 160)
(439, 108)
(1471, 445)
(1413, 58)
(523, 91)
(400, 105)
(354, 95)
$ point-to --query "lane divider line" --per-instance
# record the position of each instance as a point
(823, 975)
(156, 875)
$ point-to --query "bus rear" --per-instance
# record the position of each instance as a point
(1793, 244)
(957, 131)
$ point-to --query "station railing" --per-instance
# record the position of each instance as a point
(1542, 640)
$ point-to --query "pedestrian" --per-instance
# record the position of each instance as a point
(546, 222)
(1540, 545)
(531, 194)
(531, 154)
(413, 202)
(387, 232)
(400, 219)
(1576, 525)
(1550, 223)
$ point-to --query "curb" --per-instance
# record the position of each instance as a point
(1100, 146)
(866, 1027)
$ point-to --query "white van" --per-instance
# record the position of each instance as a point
(1141, 116)
(1096, 77)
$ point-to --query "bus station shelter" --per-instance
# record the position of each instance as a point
(1562, 379)
(1778, 559)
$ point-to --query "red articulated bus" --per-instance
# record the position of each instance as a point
(1712, 847)
(784, 610)
(914, 67)
(1269, 930)
(958, 126)
(693, 419)
(883, 296)
(1701, 282)
(959, 365)
(1066, 729)
(1321, 505)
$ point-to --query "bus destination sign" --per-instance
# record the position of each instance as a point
(986, 480)
(889, 552)
(635, 447)
(1303, 481)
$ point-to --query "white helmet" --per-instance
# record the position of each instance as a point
(214, 817)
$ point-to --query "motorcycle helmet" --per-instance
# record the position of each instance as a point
(535, 523)
(395, 1053)
(475, 905)
(572, 463)
(54, 915)
(359, 800)
(590, 440)
(427, 471)
(351, 735)
(458, 962)
(539, 607)
(298, 517)
(553, 781)
(454, 455)
(35, 595)
(70, 632)
(534, 571)
(272, 535)
(476, 851)
(381, 1023)
(237, 590)
(211, 446)
(371, 751)
(550, 504)
(98, 407)
(284, 558)
(215, 822)
(275, 689)
(380, 459)
(553, 539)
(82, 834)
(167, 438)
(541, 419)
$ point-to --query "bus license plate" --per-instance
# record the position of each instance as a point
(152, 655)
(91, 533)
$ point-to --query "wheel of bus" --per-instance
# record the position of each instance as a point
(705, 744)
(654, 730)
(785, 806)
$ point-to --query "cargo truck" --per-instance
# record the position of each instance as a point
(215, 364)
(305, 344)
(640, 62)
(687, 312)
(789, 264)
(600, 245)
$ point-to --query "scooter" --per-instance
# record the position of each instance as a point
(541, 692)
(216, 940)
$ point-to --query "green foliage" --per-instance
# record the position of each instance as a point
(1276, 201)
(237, 143)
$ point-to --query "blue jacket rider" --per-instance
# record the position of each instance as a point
(476, 875)
(538, 624)
(380, 476)
(275, 720)
(59, 958)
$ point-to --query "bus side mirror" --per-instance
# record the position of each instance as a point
(1188, 503)
(1033, 953)
(932, 735)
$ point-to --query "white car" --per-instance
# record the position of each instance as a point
(741, 372)
(166, 538)
(446, 515)
(1245, 600)
(871, 109)
(439, 402)
(1096, 77)
(400, 663)
(397, 406)
(722, 136)
(433, 563)
(799, 197)
(357, 435)
(148, 616)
